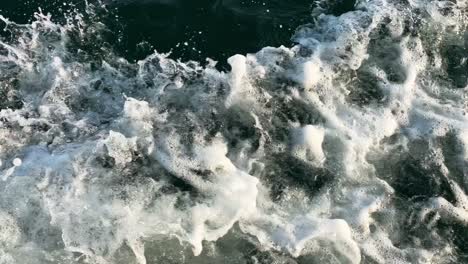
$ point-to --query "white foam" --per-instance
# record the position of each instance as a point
(308, 144)
(239, 87)
(120, 148)
(311, 73)
(17, 162)
(463, 136)
(190, 152)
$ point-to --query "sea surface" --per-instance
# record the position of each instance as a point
(232, 131)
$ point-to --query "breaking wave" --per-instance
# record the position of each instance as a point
(349, 147)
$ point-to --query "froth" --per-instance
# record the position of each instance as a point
(350, 146)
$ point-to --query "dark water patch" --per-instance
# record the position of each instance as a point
(413, 174)
(208, 28)
(22, 11)
(10, 98)
(190, 30)
(239, 126)
(286, 172)
(298, 111)
(456, 64)
(415, 181)
(334, 7)
(457, 234)
(365, 88)
(453, 158)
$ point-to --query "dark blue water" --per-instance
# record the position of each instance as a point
(190, 30)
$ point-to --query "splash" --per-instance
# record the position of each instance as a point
(349, 147)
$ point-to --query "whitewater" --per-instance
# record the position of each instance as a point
(349, 147)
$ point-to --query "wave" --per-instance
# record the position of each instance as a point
(349, 147)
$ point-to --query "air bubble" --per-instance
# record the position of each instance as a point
(17, 162)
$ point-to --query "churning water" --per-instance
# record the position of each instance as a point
(340, 135)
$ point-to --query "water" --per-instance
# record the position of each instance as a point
(338, 135)
(190, 30)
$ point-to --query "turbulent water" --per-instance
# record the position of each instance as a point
(349, 146)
